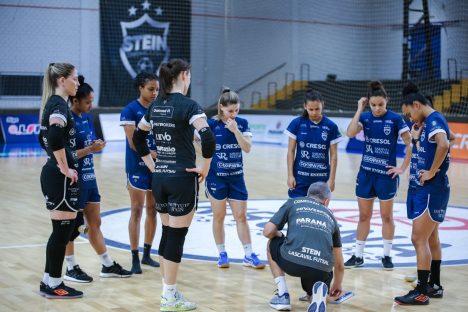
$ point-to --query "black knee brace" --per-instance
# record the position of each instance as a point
(163, 241)
(175, 243)
(58, 240)
(79, 221)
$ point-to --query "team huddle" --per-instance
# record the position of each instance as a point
(165, 130)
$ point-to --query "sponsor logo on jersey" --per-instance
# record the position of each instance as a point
(387, 129)
(324, 135)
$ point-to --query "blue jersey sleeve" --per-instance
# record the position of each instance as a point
(243, 126)
(127, 117)
(436, 125)
(402, 126)
(336, 136)
(292, 129)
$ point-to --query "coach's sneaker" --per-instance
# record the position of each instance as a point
(435, 291)
(114, 270)
(62, 292)
(77, 275)
(387, 263)
(305, 297)
(253, 262)
(149, 261)
(42, 289)
(411, 278)
(223, 260)
(178, 303)
(414, 297)
(319, 298)
(354, 262)
(280, 303)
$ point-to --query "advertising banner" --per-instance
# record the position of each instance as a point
(20, 128)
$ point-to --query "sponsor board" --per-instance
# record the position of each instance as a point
(20, 128)
(200, 244)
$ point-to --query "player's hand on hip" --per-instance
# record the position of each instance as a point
(394, 171)
(72, 175)
(202, 173)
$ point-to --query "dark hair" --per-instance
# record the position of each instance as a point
(376, 88)
(143, 78)
(311, 96)
(412, 93)
(227, 98)
(170, 71)
(83, 90)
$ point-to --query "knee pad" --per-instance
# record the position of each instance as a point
(163, 241)
(175, 243)
(61, 233)
(79, 221)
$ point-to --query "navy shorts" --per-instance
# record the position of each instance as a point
(88, 195)
(177, 196)
(302, 187)
(371, 185)
(57, 191)
(432, 198)
(140, 180)
(221, 188)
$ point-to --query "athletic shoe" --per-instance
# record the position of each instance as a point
(179, 303)
(387, 263)
(319, 298)
(149, 261)
(435, 291)
(305, 297)
(223, 260)
(77, 275)
(62, 292)
(280, 303)
(411, 278)
(42, 289)
(253, 262)
(136, 267)
(354, 262)
(114, 270)
(414, 297)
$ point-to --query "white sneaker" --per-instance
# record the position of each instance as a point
(178, 303)
(319, 298)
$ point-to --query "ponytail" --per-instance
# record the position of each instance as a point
(168, 72)
(376, 88)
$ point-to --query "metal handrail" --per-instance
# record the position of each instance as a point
(261, 77)
(274, 84)
(303, 66)
(252, 97)
(286, 83)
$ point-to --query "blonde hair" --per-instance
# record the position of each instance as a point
(52, 73)
(227, 98)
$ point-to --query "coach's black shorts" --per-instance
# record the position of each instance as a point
(177, 196)
(309, 276)
(58, 193)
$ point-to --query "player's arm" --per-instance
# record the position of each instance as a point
(333, 165)
(97, 146)
(197, 143)
(395, 171)
(440, 153)
(271, 231)
(290, 161)
(207, 147)
(451, 137)
(338, 272)
(55, 136)
(245, 142)
(139, 141)
(355, 126)
(129, 130)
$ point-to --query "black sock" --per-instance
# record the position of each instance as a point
(55, 252)
(435, 272)
(146, 250)
(423, 277)
(135, 257)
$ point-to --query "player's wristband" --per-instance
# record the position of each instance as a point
(415, 140)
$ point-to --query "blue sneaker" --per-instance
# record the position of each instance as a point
(223, 260)
(253, 262)
(280, 303)
(319, 298)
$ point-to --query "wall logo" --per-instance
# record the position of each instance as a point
(453, 233)
(144, 43)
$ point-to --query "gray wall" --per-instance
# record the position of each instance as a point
(235, 41)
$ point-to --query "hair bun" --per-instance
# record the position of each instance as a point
(225, 90)
(409, 88)
(81, 79)
(375, 85)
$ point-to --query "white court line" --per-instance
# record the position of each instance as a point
(34, 245)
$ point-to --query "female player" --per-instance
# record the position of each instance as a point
(378, 174)
(59, 179)
(173, 117)
(138, 176)
(431, 197)
(312, 147)
(225, 180)
(86, 145)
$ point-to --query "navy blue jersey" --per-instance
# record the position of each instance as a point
(172, 122)
(84, 137)
(56, 107)
(381, 137)
(131, 115)
(434, 123)
(313, 142)
(227, 160)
